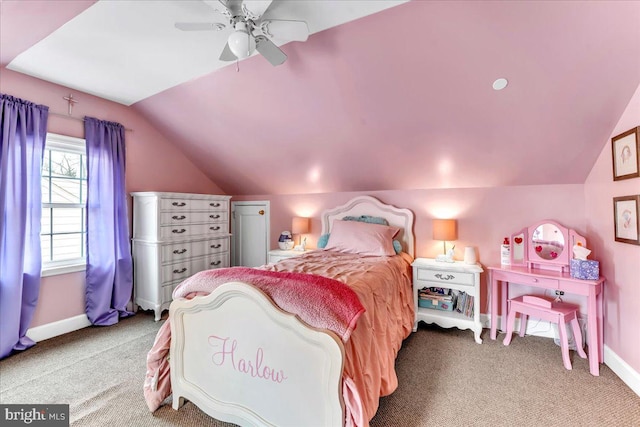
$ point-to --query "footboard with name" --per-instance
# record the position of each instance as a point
(241, 359)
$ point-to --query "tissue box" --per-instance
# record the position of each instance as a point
(585, 269)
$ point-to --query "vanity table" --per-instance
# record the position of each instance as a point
(540, 257)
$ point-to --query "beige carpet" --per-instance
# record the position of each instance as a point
(446, 379)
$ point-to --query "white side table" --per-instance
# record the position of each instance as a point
(276, 255)
(457, 275)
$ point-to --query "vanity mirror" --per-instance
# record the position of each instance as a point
(545, 244)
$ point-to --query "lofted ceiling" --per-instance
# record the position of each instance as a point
(382, 96)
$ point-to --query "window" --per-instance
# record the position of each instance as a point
(64, 195)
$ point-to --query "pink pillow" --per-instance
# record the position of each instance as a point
(362, 238)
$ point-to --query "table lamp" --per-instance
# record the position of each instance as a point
(300, 225)
(445, 230)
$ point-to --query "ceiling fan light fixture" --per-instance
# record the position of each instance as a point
(500, 83)
(241, 43)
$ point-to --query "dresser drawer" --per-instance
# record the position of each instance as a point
(183, 230)
(179, 218)
(167, 292)
(444, 277)
(220, 260)
(523, 279)
(211, 262)
(189, 267)
(185, 205)
(183, 250)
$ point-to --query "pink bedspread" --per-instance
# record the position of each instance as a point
(382, 285)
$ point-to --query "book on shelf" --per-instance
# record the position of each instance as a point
(464, 304)
(440, 294)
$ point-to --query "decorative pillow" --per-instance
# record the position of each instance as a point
(368, 219)
(322, 241)
(357, 237)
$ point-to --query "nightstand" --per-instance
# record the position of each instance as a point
(458, 276)
(276, 255)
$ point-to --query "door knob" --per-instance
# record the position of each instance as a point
(261, 212)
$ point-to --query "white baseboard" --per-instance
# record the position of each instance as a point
(53, 329)
(622, 370)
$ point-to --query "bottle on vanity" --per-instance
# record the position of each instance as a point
(505, 252)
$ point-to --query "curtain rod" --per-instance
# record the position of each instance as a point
(66, 116)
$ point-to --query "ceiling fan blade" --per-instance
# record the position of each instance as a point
(285, 30)
(233, 6)
(270, 51)
(199, 26)
(254, 9)
(226, 54)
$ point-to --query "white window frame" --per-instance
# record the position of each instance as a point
(70, 145)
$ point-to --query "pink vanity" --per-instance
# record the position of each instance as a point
(540, 258)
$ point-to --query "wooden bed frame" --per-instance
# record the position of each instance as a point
(241, 359)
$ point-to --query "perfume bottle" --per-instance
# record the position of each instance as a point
(505, 252)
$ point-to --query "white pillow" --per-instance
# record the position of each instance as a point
(362, 238)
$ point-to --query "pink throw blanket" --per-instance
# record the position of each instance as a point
(319, 301)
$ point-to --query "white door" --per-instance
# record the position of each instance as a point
(250, 229)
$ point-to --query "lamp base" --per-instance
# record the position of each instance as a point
(444, 258)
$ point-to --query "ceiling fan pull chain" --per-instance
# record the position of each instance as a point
(249, 41)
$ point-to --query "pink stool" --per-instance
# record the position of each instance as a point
(556, 312)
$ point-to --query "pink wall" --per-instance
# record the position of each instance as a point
(153, 164)
(485, 215)
(618, 261)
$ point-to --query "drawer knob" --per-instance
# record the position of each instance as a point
(535, 280)
(214, 216)
(181, 251)
(178, 217)
(214, 228)
(180, 204)
(215, 205)
(216, 262)
(182, 230)
(182, 270)
(447, 277)
(216, 246)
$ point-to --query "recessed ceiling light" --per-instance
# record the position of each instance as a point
(500, 84)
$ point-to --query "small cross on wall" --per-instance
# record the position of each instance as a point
(71, 102)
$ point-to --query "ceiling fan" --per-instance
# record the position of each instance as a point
(251, 31)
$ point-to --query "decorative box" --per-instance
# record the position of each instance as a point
(434, 303)
(585, 269)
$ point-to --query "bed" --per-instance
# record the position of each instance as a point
(241, 358)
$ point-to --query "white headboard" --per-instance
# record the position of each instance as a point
(367, 205)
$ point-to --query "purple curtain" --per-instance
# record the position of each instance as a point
(23, 133)
(109, 266)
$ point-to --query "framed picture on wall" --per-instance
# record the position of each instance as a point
(625, 147)
(626, 211)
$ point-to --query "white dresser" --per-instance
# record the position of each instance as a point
(175, 235)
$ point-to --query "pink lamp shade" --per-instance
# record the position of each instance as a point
(300, 225)
(445, 230)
